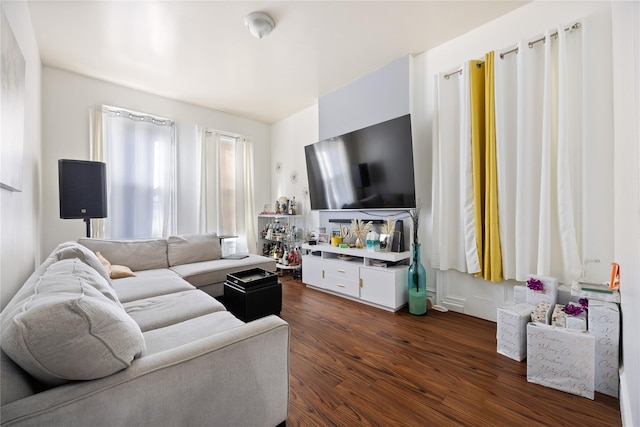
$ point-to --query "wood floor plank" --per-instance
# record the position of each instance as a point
(355, 365)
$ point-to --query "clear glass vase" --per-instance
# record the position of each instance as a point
(417, 284)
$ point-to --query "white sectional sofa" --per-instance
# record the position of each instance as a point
(81, 348)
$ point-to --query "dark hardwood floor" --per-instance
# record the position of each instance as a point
(355, 365)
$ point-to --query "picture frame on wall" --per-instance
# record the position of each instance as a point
(12, 103)
(323, 238)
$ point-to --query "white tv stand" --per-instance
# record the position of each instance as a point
(355, 274)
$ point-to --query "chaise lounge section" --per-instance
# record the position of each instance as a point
(82, 348)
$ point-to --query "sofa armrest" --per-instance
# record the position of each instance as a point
(237, 377)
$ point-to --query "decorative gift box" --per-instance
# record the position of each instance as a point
(564, 294)
(577, 291)
(604, 325)
(548, 294)
(558, 317)
(563, 318)
(519, 294)
(542, 313)
(511, 332)
(561, 358)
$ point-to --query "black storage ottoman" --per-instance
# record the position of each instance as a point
(253, 294)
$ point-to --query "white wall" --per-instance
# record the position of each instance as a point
(66, 99)
(626, 147)
(19, 211)
(288, 138)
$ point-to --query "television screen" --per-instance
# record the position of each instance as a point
(368, 168)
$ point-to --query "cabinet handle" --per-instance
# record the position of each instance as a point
(340, 285)
(361, 282)
(340, 270)
(323, 274)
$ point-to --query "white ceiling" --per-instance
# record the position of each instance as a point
(200, 51)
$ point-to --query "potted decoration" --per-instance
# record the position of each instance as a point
(417, 277)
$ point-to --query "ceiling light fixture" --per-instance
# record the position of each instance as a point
(259, 24)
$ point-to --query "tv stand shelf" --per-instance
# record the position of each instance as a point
(357, 274)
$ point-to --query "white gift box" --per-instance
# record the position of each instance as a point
(577, 323)
(542, 313)
(561, 358)
(511, 332)
(564, 294)
(577, 292)
(558, 317)
(604, 325)
(519, 294)
(549, 293)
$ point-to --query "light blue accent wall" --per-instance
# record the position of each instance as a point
(381, 95)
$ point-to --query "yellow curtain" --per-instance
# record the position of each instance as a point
(477, 93)
(485, 177)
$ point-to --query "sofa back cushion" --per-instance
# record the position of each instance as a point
(193, 248)
(75, 250)
(138, 255)
(69, 325)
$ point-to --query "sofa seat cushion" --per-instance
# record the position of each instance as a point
(193, 248)
(209, 272)
(69, 326)
(149, 283)
(164, 310)
(138, 255)
(175, 335)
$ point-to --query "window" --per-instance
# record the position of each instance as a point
(139, 151)
(226, 195)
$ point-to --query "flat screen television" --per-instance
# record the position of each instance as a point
(370, 168)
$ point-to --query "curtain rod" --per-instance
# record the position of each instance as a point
(575, 26)
(459, 71)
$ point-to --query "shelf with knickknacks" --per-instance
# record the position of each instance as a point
(281, 234)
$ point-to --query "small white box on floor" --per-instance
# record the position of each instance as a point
(604, 325)
(549, 294)
(561, 358)
(511, 332)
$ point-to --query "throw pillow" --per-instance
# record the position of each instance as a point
(105, 262)
(193, 248)
(66, 329)
(115, 271)
(121, 271)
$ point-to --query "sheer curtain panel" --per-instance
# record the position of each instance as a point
(140, 153)
(226, 194)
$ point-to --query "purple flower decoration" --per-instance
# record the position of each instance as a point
(584, 303)
(535, 284)
(572, 310)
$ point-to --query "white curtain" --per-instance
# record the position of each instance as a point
(140, 153)
(226, 195)
(250, 218)
(506, 85)
(539, 142)
(539, 97)
(454, 242)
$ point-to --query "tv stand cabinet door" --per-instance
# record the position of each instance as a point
(313, 271)
(386, 287)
